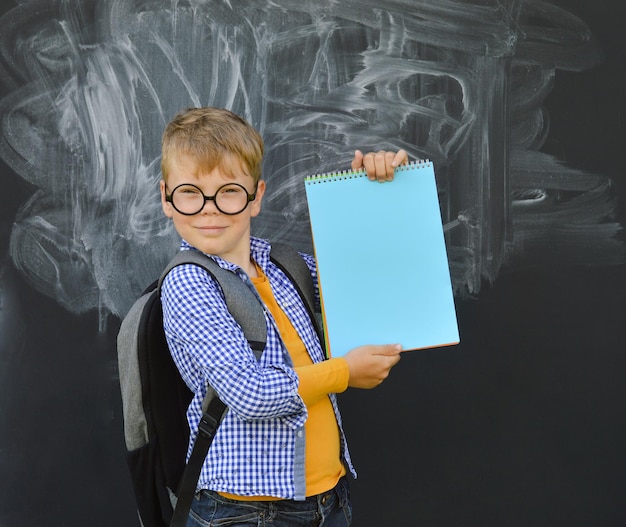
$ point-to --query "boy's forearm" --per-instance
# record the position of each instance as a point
(318, 380)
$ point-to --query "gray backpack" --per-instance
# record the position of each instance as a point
(155, 398)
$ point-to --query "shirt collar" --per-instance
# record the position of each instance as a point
(260, 252)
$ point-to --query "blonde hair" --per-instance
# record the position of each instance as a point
(210, 136)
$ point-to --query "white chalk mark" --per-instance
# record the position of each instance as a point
(458, 82)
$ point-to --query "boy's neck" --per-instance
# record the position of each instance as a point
(251, 269)
(245, 262)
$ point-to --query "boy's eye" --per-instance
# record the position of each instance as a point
(231, 189)
(189, 191)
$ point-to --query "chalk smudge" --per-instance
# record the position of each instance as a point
(462, 83)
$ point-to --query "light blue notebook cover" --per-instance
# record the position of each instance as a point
(381, 257)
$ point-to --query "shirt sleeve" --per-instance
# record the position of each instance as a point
(207, 344)
(318, 380)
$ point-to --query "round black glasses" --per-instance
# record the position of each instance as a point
(231, 199)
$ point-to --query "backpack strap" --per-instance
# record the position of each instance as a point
(295, 268)
(206, 432)
(241, 302)
(238, 298)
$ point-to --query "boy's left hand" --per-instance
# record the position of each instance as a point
(379, 165)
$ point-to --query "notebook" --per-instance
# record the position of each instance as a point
(381, 258)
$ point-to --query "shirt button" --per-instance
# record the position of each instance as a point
(299, 433)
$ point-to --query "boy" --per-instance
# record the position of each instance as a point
(280, 453)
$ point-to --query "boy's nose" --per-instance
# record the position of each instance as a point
(209, 207)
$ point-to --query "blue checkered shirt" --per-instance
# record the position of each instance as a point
(259, 447)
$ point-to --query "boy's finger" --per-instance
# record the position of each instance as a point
(375, 166)
(369, 165)
(380, 166)
(389, 165)
(357, 160)
(401, 158)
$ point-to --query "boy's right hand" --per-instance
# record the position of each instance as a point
(370, 365)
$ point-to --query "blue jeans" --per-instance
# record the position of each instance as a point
(329, 509)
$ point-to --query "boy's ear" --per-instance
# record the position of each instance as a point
(165, 205)
(256, 204)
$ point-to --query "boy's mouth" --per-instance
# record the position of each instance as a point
(211, 228)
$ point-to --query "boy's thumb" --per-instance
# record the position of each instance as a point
(392, 349)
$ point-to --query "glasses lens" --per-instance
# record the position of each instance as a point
(231, 198)
(187, 199)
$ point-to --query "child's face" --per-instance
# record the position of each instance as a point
(211, 231)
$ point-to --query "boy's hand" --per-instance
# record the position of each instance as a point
(379, 165)
(370, 365)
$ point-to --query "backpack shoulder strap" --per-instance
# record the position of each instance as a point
(293, 265)
(241, 302)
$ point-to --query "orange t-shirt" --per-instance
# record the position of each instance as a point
(323, 465)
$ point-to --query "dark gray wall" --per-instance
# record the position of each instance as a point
(520, 104)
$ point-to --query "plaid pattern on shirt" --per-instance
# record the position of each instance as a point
(259, 447)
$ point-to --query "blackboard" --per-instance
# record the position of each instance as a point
(520, 105)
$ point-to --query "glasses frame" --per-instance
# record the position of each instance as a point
(250, 197)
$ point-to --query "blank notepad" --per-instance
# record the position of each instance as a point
(381, 257)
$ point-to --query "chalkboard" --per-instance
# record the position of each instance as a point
(519, 104)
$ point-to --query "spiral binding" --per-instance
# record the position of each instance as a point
(341, 175)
